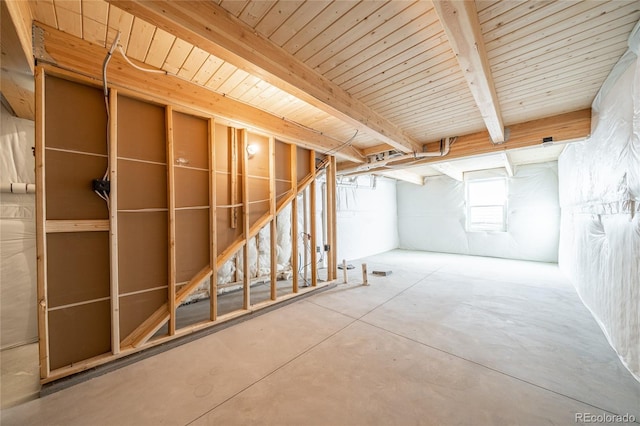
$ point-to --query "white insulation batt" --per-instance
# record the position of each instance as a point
(433, 217)
(260, 250)
(259, 259)
(18, 318)
(367, 217)
(600, 200)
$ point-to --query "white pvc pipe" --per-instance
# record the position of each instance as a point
(414, 155)
(344, 270)
(18, 188)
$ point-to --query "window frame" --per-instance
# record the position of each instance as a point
(480, 227)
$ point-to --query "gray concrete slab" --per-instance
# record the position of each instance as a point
(367, 376)
(354, 299)
(539, 334)
(178, 385)
(443, 340)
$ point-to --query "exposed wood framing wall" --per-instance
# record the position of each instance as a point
(186, 197)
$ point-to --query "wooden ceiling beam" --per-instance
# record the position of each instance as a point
(210, 27)
(71, 53)
(404, 175)
(17, 82)
(377, 149)
(562, 128)
(508, 165)
(448, 169)
(17, 15)
(460, 22)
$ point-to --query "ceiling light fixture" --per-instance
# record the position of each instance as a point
(252, 149)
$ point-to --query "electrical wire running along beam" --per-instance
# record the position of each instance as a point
(211, 28)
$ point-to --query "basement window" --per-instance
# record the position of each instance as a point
(487, 205)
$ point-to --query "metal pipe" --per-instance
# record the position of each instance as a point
(388, 162)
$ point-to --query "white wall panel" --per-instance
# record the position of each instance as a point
(367, 219)
(17, 235)
(600, 199)
(433, 217)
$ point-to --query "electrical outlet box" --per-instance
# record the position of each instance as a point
(100, 185)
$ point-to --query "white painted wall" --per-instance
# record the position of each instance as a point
(600, 199)
(433, 217)
(18, 321)
(367, 219)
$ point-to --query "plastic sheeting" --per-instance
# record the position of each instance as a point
(367, 218)
(600, 200)
(433, 217)
(18, 317)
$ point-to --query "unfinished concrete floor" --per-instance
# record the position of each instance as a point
(445, 339)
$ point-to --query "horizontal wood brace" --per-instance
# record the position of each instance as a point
(56, 226)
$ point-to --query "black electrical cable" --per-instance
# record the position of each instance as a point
(303, 267)
(342, 146)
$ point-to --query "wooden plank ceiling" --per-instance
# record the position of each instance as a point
(406, 69)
